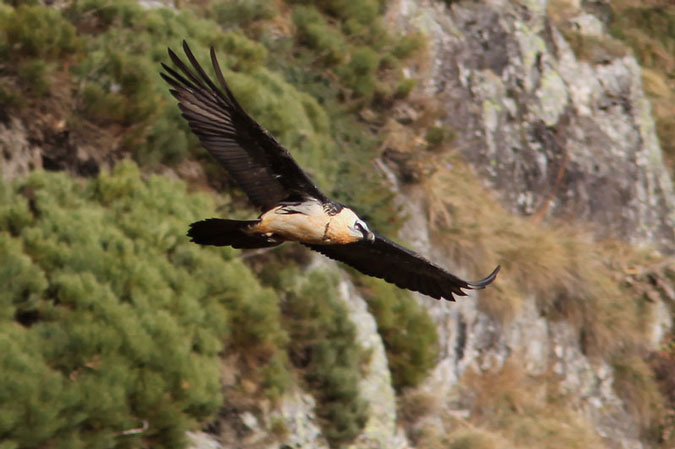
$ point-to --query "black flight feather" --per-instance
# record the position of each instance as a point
(387, 260)
(262, 167)
(234, 233)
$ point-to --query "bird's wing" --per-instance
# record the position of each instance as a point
(387, 260)
(262, 167)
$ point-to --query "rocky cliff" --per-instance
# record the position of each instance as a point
(557, 136)
(554, 133)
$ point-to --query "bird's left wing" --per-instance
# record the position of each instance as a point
(262, 167)
(387, 260)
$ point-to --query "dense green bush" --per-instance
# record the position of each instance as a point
(408, 333)
(315, 32)
(359, 74)
(363, 12)
(118, 79)
(31, 39)
(324, 349)
(111, 319)
(122, 84)
(34, 75)
(38, 32)
(243, 12)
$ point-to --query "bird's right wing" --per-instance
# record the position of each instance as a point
(262, 167)
(387, 260)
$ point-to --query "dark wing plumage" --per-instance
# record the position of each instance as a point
(262, 167)
(393, 263)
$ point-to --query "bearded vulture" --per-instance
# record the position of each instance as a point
(292, 206)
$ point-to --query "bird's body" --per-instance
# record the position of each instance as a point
(310, 222)
(292, 206)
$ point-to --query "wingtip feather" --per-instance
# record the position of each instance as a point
(485, 281)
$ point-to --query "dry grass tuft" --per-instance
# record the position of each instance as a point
(662, 363)
(634, 383)
(508, 409)
(568, 273)
(465, 437)
(561, 11)
(661, 93)
(476, 439)
(526, 410)
(414, 404)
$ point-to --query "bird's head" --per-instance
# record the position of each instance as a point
(347, 227)
(360, 229)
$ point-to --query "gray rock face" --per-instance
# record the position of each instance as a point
(380, 431)
(554, 135)
(17, 156)
(470, 340)
(296, 412)
(201, 440)
(290, 423)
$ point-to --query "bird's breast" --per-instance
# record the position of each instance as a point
(307, 224)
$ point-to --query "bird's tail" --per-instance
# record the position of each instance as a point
(222, 232)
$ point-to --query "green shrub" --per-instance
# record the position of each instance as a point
(112, 320)
(408, 333)
(359, 74)
(117, 86)
(315, 32)
(407, 45)
(34, 74)
(14, 211)
(240, 51)
(168, 139)
(101, 14)
(23, 284)
(405, 87)
(33, 397)
(243, 12)
(5, 13)
(39, 32)
(324, 349)
(354, 41)
(121, 85)
(364, 12)
(436, 135)
(258, 336)
(32, 39)
(119, 76)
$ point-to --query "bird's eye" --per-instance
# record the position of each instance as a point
(361, 227)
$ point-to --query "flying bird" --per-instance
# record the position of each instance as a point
(292, 206)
